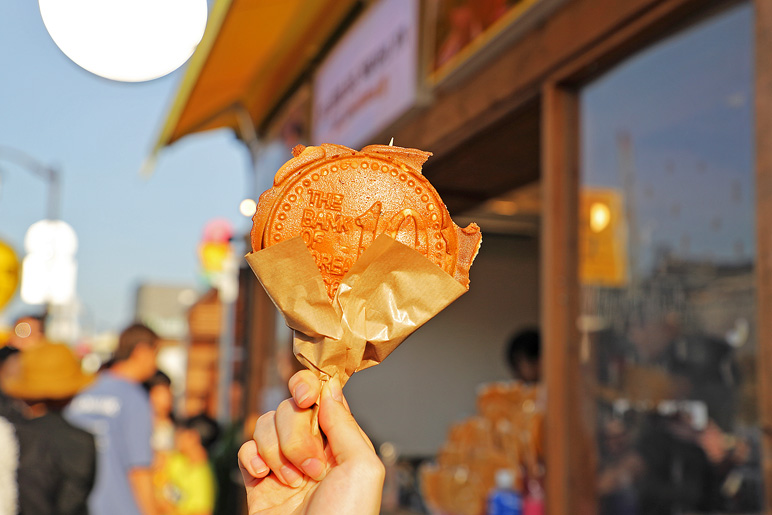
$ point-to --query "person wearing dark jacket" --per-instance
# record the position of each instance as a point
(32, 488)
(49, 376)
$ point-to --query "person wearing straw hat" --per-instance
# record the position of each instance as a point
(48, 378)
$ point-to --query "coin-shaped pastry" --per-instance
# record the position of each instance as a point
(339, 200)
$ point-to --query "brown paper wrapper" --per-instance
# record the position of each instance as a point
(389, 292)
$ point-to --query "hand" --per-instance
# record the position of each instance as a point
(712, 441)
(289, 469)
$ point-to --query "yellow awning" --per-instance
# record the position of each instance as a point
(251, 53)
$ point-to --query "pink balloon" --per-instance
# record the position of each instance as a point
(218, 230)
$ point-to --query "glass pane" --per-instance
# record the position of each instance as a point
(667, 252)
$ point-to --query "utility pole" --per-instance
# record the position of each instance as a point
(46, 172)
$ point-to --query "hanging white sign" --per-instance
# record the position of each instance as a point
(370, 77)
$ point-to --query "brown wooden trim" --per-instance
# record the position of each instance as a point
(763, 88)
(649, 27)
(570, 447)
(262, 332)
(516, 75)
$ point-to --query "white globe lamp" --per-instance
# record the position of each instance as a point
(126, 40)
(49, 270)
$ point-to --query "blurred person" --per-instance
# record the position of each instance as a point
(289, 467)
(190, 484)
(28, 331)
(524, 356)
(678, 476)
(620, 470)
(9, 367)
(9, 465)
(35, 459)
(161, 400)
(159, 390)
(208, 425)
(49, 377)
(736, 463)
(704, 367)
(208, 429)
(9, 458)
(117, 411)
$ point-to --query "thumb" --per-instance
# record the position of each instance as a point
(346, 439)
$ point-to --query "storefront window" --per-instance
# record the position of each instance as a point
(668, 293)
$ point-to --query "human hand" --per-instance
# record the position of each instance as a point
(741, 451)
(288, 468)
(712, 442)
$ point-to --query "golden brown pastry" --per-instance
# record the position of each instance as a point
(338, 200)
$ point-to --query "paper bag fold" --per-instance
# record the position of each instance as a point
(389, 292)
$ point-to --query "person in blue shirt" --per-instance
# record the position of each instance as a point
(116, 410)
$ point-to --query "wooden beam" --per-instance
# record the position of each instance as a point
(651, 26)
(575, 35)
(570, 443)
(262, 332)
(515, 75)
(763, 88)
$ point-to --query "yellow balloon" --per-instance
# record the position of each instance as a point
(213, 255)
(9, 273)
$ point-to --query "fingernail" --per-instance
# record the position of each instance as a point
(258, 467)
(335, 389)
(313, 468)
(292, 478)
(301, 392)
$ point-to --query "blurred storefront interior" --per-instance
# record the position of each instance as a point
(614, 154)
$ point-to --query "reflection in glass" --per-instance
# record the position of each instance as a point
(667, 273)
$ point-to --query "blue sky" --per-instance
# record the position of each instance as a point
(131, 230)
(687, 105)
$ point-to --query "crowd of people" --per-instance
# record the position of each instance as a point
(102, 443)
(111, 443)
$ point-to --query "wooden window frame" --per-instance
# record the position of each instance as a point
(763, 162)
(571, 453)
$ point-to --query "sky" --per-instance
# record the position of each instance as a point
(686, 104)
(131, 229)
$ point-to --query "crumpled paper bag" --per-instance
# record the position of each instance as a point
(389, 292)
